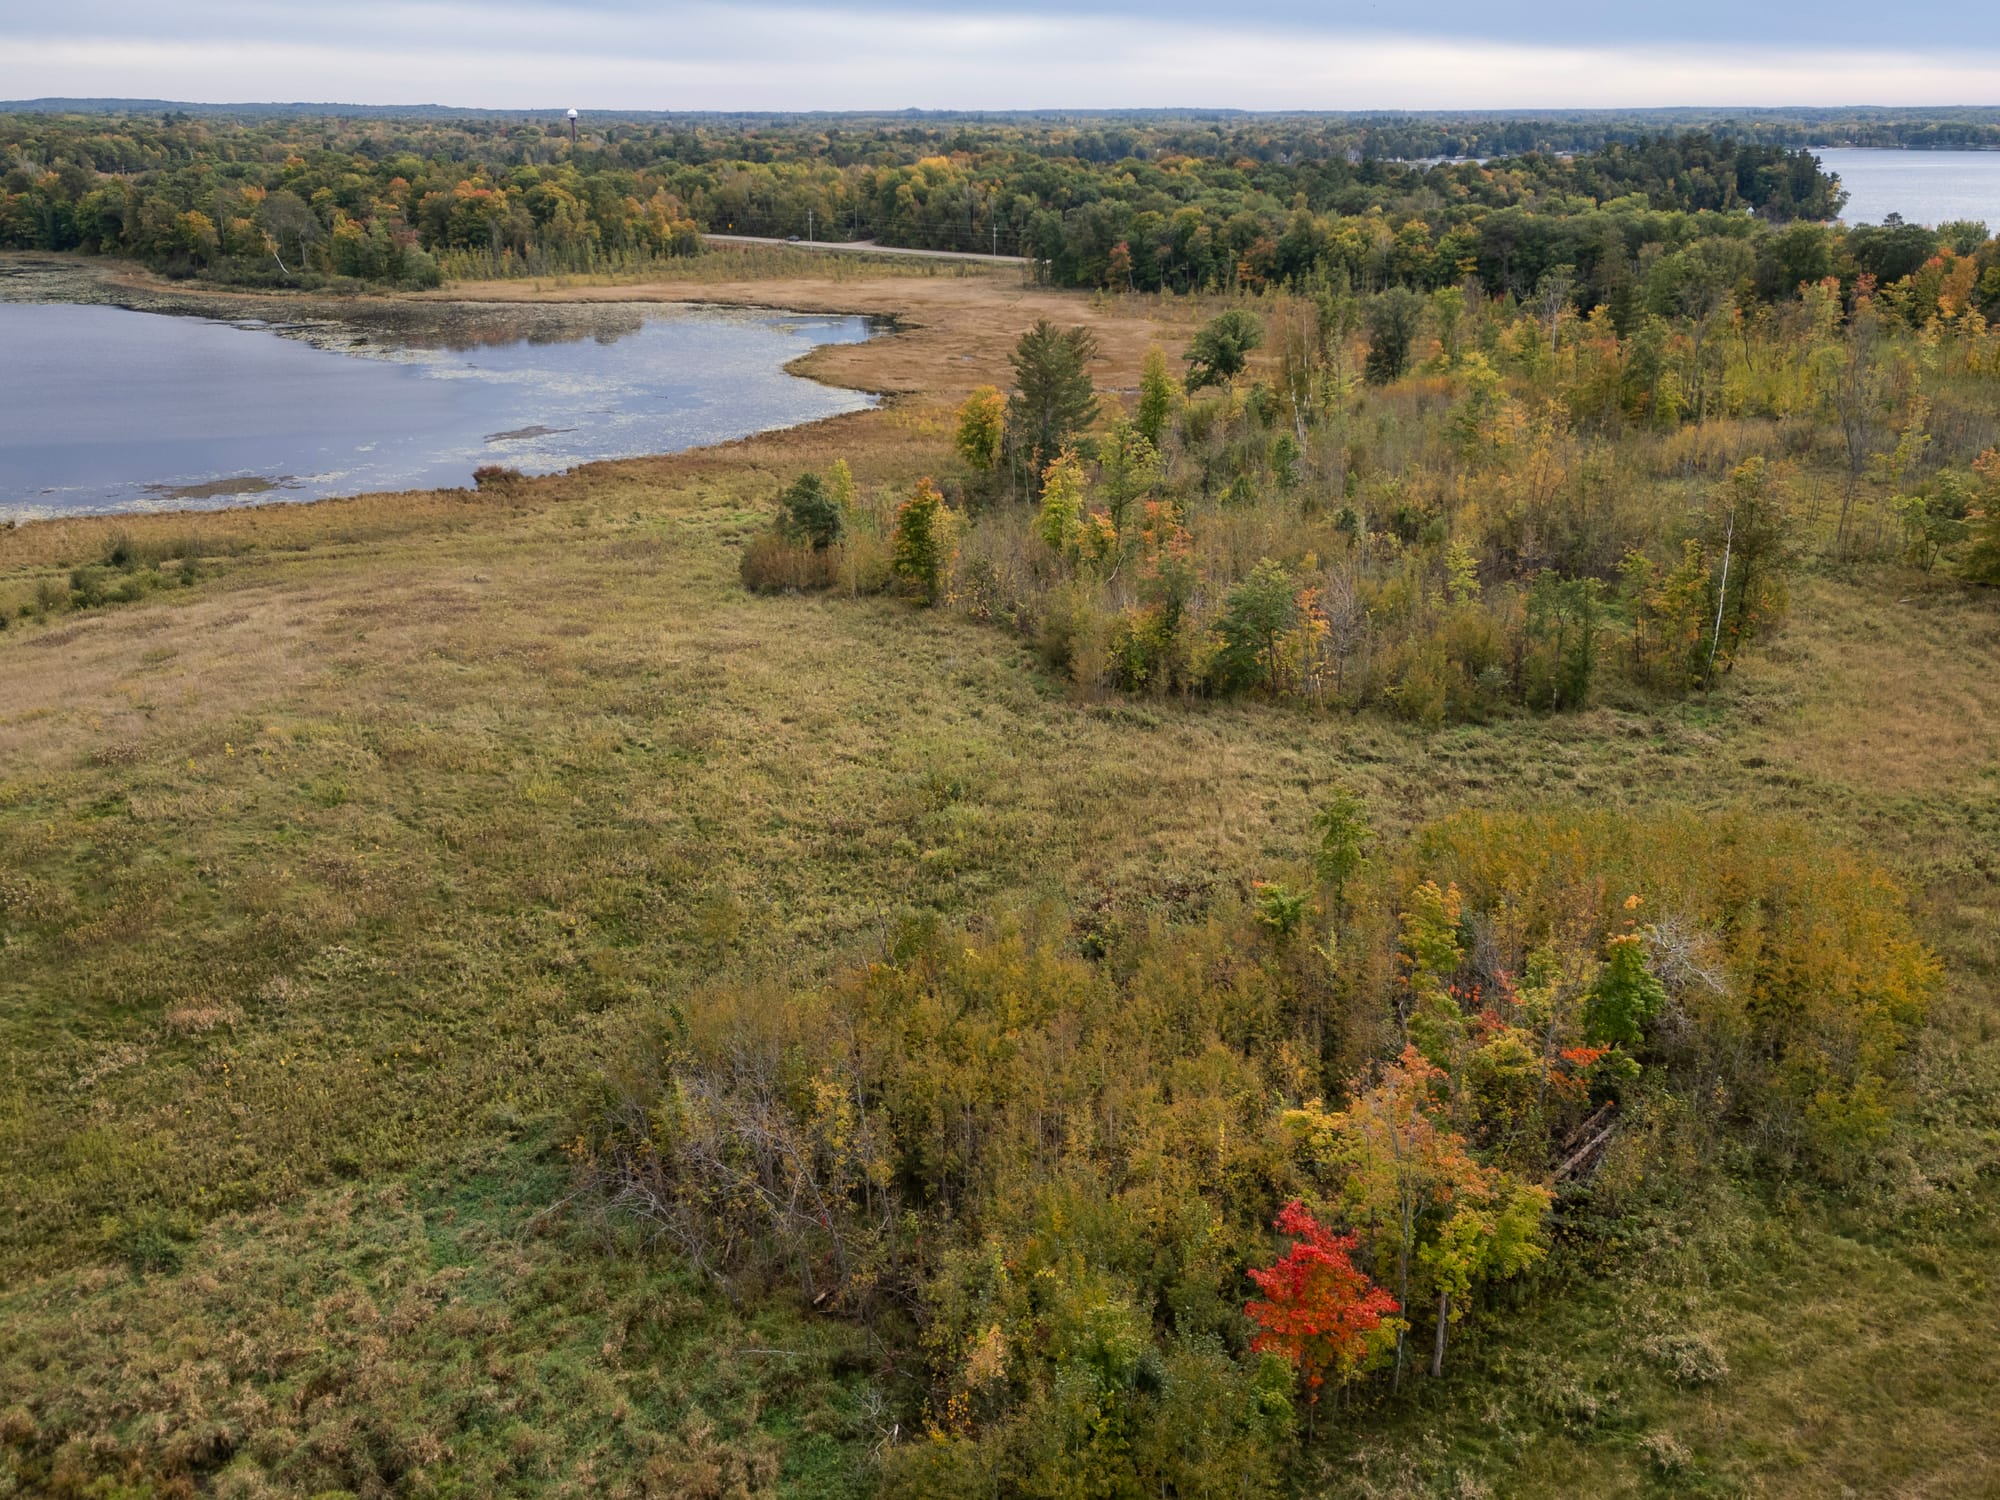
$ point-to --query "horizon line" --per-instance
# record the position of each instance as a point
(93, 104)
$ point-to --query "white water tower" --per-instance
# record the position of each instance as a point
(572, 127)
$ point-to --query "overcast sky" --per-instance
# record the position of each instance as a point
(880, 54)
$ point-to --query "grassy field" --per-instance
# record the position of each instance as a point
(331, 883)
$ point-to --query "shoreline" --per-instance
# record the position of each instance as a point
(945, 335)
(361, 326)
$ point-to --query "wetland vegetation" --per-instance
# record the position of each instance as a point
(1364, 887)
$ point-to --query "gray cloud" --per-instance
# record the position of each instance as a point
(1108, 53)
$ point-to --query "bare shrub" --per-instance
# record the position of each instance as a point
(749, 1150)
(1691, 1358)
(773, 565)
(198, 1017)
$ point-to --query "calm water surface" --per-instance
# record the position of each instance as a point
(105, 409)
(1925, 187)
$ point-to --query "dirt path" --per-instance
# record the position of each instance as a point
(866, 247)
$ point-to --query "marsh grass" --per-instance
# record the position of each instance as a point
(723, 262)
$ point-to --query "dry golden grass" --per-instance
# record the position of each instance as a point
(953, 333)
(1899, 687)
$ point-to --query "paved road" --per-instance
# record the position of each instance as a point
(867, 247)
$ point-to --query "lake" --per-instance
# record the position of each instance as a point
(1925, 187)
(108, 409)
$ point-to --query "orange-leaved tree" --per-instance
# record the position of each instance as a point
(1321, 1313)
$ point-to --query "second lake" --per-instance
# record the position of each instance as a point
(1925, 187)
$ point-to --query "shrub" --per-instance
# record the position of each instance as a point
(1981, 562)
(808, 514)
(1667, 1453)
(87, 588)
(1064, 630)
(1064, 1166)
(150, 1240)
(1065, 491)
(1282, 910)
(865, 562)
(982, 429)
(1690, 1358)
(773, 564)
(1783, 971)
(496, 477)
(1321, 1314)
(1222, 347)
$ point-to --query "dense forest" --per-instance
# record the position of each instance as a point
(1397, 134)
(1133, 204)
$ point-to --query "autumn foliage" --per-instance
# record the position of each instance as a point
(1320, 1312)
(1066, 1160)
(921, 543)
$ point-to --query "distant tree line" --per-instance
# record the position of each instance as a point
(291, 201)
(1141, 203)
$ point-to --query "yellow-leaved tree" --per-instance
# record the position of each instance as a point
(982, 429)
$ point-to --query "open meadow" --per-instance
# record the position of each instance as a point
(341, 880)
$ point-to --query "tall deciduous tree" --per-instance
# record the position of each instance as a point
(1750, 527)
(1344, 836)
(288, 220)
(1393, 319)
(1257, 611)
(1700, 284)
(1131, 467)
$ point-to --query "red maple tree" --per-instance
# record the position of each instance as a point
(1322, 1314)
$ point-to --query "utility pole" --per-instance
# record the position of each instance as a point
(809, 226)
